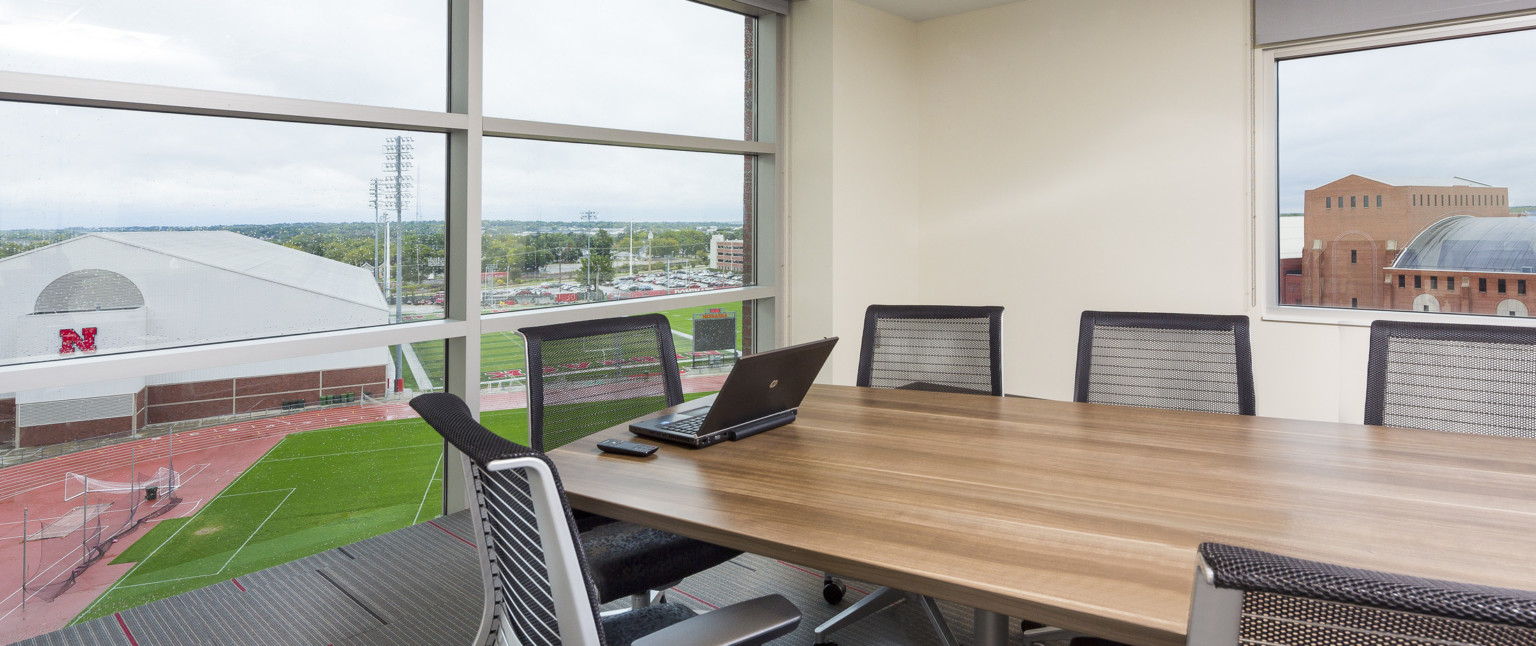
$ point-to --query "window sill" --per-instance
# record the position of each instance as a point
(1364, 318)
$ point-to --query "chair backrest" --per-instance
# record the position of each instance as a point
(1196, 362)
(541, 596)
(949, 347)
(1461, 378)
(1244, 596)
(586, 376)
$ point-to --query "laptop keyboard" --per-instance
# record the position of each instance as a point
(689, 426)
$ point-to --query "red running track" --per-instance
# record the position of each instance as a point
(23, 477)
(224, 451)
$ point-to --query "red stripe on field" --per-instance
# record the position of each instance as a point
(711, 605)
(822, 576)
(124, 626)
(237, 584)
(461, 539)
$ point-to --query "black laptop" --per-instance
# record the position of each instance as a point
(762, 392)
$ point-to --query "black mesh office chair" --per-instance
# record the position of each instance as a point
(941, 348)
(1459, 378)
(541, 596)
(1196, 362)
(587, 376)
(933, 347)
(1244, 596)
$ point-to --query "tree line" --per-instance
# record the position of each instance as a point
(517, 248)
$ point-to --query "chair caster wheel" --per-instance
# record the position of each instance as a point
(833, 591)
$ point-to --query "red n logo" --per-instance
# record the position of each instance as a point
(70, 341)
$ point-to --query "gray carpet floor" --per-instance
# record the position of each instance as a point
(421, 586)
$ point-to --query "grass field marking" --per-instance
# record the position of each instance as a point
(258, 529)
(252, 493)
(682, 334)
(183, 578)
(231, 556)
(118, 583)
(124, 577)
(327, 455)
(430, 479)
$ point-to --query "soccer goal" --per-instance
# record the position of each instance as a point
(76, 485)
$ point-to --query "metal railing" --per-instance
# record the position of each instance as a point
(23, 455)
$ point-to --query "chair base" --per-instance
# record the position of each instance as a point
(879, 600)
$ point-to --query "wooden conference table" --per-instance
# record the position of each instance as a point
(1080, 516)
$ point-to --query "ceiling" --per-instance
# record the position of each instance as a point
(921, 10)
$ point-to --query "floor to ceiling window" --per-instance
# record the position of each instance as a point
(236, 237)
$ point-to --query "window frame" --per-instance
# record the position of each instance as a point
(1264, 292)
(466, 127)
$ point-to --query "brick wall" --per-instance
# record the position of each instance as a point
(1355, 228)
(213, 398)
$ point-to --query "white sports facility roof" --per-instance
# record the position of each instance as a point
(258, 259)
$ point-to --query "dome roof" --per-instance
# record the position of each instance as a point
(1467, 243)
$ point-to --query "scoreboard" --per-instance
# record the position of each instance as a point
(714, 330)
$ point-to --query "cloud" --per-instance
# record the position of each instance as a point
(1425, 111)
(661, 65)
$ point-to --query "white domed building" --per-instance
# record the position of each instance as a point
(122, 292)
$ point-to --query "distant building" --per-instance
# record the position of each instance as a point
(725, 254)
(1468, 264)
(120, 292)
(1356, 227)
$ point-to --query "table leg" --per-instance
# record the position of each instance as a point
(991, 628)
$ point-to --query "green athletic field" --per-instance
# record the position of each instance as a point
(313, 491)
(504, 350)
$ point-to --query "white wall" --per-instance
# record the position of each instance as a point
(855, 222)
(1070, 155)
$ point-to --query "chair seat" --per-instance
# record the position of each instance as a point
(626, 558)
(623, 628)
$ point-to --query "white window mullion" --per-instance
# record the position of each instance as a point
(63, 90)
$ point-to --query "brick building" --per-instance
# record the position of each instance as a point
(1356, 228)
(1467, 264)
(729, 255)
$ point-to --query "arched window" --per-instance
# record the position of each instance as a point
(1512, 307)
(88, 290)
(1426, 303)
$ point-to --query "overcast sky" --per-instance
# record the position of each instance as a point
(665, 65)
(1430, 111)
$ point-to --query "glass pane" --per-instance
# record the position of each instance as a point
(376, 52)
(124, 231)
(204, 476)
(707, 339)
(661, 65)
(652, 222)
(1397, 189)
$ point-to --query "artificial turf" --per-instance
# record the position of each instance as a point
(503, 351)
(313, 491)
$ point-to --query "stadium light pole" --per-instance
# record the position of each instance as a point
(590, 217)
(397, 160)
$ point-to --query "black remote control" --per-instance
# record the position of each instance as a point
(626, 448)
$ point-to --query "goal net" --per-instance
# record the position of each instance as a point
(76, 485)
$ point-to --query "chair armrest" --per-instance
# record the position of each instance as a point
(749, 623)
